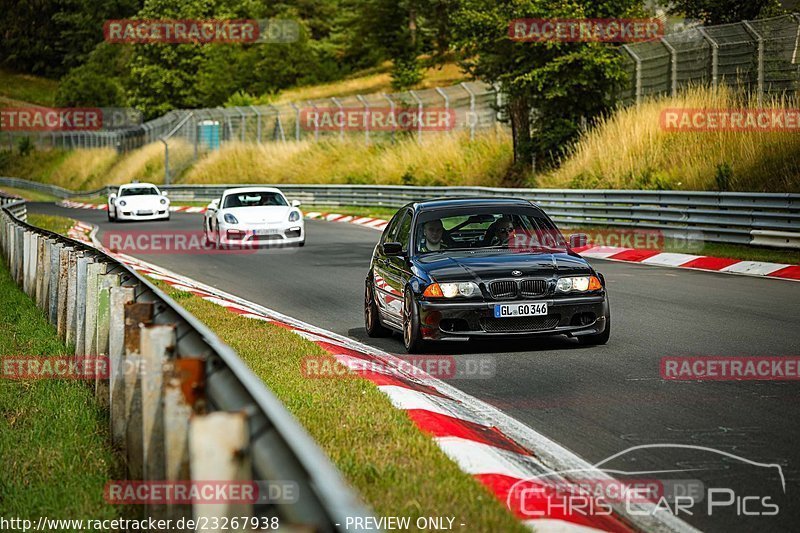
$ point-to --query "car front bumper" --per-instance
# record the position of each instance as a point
(283, 234)
(573, 316)
(155, 214)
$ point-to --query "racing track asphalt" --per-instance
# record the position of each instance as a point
(596, 401)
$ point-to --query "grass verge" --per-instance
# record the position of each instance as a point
(398, 470)
(22, 89)
(55, 456)
(30, 195)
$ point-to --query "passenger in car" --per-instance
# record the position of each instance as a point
(434, 237)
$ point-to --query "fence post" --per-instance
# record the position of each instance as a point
(391, 111)
(72, 296)
(184, 382)
(296, 121)
(341, 112)
(93, 273)
(760, 42)
(217, 444)
(419, 118)
(41, 271)
(116, 352)
(279, 124)
(63, 276)
(366, 117)
(156, 345)
(638, 62)
(80, 318)
(52, 292)
(106, 283)
(446, 104)
(472, 118)
(136, 315)
(673, 62)
(258, 123)
(166, 161)
(714, 56)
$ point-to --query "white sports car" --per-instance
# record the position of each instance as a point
(138, 201)
(254, 216)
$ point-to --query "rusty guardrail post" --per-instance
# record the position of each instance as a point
(120, 296)
(136, 314)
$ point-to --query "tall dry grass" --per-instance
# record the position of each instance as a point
(440, 160)
(629, 150)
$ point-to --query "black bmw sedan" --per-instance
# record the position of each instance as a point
(455, 269)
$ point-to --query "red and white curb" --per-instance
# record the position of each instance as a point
(504, 455)
(636, 255)
(104, 207)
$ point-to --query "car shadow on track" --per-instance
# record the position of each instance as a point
(394, 344)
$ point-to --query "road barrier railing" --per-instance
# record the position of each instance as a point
(763, 219)
(183, 407)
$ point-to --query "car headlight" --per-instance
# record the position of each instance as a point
(294, 216)
(121, 203)
(230, 219)
(465, 289)
(163, 201)
(578, 284)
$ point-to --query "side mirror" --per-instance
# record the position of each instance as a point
(164, 193)
(577, 240)
(392, 248)
(296, 203)
(214, 204)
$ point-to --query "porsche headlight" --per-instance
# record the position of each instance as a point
(465, 289)
(578, 284)
(121, 203)
(294, 216)
(163, 201)
(230, 219)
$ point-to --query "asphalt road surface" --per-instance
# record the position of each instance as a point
(596, 401)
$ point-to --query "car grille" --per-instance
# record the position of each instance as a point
(533, 287)
(503, 289)
(270, 237)
(144, 213)
(507, 289)
(519, 323)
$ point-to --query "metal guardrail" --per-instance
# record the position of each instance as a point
(763, 219)
(710, 216)
(74, 282)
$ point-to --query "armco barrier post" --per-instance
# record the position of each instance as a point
(43, 276)
(63, 273)
(183, 387)
(217, 444)
(93, 272)
(19, 240)
(156, 345)
(72, 296)
(136, 314)
(38, 291)
(80, 320)
(52, 292)
(116, 353)
(26, 251)
(107, 281)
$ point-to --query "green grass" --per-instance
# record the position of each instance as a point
(397, 469)
(30, 195)
(55, 456)
(361, 211)
(19, 89)
(51, 222)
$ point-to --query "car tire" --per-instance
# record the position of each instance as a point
(372, 321)
(600, 338)
(110, 218)
(301, 243)
(412, 339)
(208, 240)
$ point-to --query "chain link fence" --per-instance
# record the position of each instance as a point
(759, 56)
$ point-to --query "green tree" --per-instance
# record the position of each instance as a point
(550, 87)
(83, 87)
(725, 11)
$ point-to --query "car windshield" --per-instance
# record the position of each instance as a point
(138, 191)
(512, 228)
(253, 199)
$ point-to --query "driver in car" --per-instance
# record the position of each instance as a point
(500, 232)
(435, 237)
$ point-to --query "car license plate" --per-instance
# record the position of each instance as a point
(520, 309)
(267, 231)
